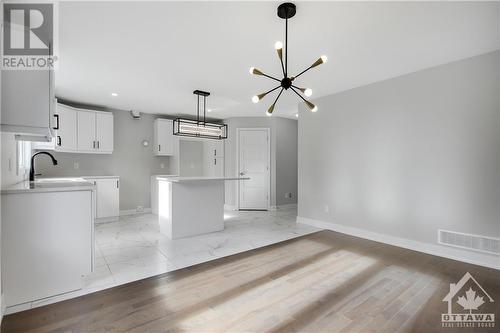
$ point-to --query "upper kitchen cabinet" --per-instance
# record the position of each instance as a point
(164, 137)
(104, 131)
(214, 148)
(86, 121)
(95, 132)
(65, 128)
(80, 131)
(28, 103)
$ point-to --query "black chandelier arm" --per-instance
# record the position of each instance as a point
(270, 91)
(271, 77)
(282, 66)
(295, 91)
(305, 70)
(277, 97)
(293, 85)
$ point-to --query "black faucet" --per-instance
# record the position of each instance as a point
(32, 169)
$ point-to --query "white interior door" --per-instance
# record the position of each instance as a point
(86, 131)
(254, 162)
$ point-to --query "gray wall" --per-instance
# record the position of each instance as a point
(190, 158)
(286, 160)
(407, 156)
(130, 160)
(283, 156)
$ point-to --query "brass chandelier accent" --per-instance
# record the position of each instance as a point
(285, 11)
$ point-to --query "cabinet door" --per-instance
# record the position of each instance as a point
(104, 132)
(86, 131)
(217, 148)
(218, 169)
(108, 197)
(164, 141)
(66, 132)
(26, 98)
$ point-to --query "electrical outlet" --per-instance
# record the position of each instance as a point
(140, 209)
(76, 165)
(162, 165)
(327, 209)
(288, 195)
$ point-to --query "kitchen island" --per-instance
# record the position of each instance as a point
(189, 206)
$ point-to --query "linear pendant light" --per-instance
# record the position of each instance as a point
(286, 11)
(200, 128)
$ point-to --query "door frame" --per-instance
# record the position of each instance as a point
(268, 130)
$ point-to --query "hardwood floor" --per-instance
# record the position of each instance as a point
(323, 282)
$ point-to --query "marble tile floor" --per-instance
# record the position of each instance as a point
(133, 248)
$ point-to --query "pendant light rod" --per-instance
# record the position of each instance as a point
(198, 109)
(286, 47)
(205, 94)
(204, 109)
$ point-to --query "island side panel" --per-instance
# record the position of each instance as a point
(164, 193)
(197, 207)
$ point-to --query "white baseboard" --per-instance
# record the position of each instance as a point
(285, 206)
(106, 219)
(2, 308)
(470, 257)
(134, 211)
(271, 208)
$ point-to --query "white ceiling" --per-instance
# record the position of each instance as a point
(155, 54)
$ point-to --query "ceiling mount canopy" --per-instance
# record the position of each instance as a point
(200, 128)
(286, 11)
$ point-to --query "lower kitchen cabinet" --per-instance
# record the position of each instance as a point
(107, 198)
(47, 242)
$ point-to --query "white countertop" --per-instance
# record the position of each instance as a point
(62, 184)
(100, 177)
(178, 179)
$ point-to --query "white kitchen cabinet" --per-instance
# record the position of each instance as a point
(66, 128)
(104, 131)
(215, 148)
(47, 241)
(28, 103)
(107, 198)
(95, 132)
(214, 167)
(86, 131)
(163, 137)
(213, 158)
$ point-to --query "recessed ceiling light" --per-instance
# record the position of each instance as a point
(209, 110)
(114, 94)
(296, 115)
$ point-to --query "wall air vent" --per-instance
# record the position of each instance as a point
(469, 241)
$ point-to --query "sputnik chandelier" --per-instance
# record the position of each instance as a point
(286, 11)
